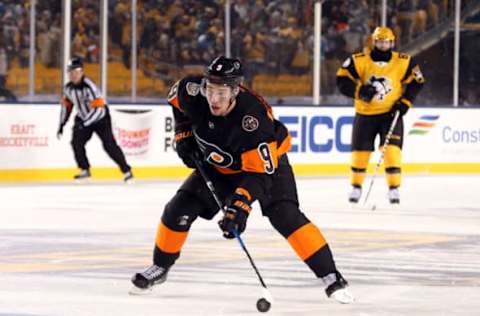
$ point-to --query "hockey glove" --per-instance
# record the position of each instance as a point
(367, 92)
(235, 216)
(59, 132)
(187, 148)
(401, 107)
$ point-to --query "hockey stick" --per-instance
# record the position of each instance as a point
(384, 147)
(264, 303)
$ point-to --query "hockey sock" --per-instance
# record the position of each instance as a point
(393, 158)
(359, 167)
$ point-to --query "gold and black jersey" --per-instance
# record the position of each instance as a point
(399, 78)
(247, 143)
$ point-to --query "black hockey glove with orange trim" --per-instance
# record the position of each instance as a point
(187, 148)
(235, 216)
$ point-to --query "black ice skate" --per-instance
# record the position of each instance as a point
(83, 175)
(337, 288)
(128, 177)
(146, 280)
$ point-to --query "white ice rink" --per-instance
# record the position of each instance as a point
(68, 249)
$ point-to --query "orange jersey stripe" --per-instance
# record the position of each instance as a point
(174, 102)
(97, 103)
(306, 240)
(252, 160)
(285, 145)
(168, 240)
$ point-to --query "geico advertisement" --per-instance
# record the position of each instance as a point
(323, 135)
(319, 134)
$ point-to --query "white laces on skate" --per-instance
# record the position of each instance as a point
(153, 272)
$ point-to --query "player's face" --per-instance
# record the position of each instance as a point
(219, 98)
(75, 75)
(384, 45)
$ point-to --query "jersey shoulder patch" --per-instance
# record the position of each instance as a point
(192, 88)
(250, 123)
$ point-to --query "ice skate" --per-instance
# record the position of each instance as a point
(145, 281)
(337, 288)
(394, 196)
(355, 195)
(83, 176)
(128, 177)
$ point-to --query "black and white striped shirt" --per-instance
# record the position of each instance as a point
(86, 98)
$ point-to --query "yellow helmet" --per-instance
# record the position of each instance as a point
(382, 33)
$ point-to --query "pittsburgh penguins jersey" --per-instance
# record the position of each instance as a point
(398, 78)
(245, 144)
(86, 98)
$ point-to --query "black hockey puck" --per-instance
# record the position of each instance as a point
(263, 305)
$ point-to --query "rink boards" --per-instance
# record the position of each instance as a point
(437, 140)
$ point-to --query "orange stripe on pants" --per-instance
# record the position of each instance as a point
(168, 240)
(306, 240)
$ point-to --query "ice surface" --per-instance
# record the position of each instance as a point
(68, 249)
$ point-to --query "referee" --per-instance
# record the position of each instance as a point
(92, 116)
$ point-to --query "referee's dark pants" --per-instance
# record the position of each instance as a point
(103, 128)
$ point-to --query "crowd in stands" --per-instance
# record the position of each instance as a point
(270, 36)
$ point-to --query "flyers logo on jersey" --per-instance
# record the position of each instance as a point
(249, 123)
(214, 154)
(216, 157)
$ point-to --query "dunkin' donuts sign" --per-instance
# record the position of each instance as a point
(133, 131)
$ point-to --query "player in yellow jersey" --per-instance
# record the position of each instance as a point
(381, 82)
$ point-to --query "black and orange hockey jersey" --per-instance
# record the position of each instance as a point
(245, 144)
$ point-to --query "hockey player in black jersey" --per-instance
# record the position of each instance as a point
(92, 117)
(244, 151)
